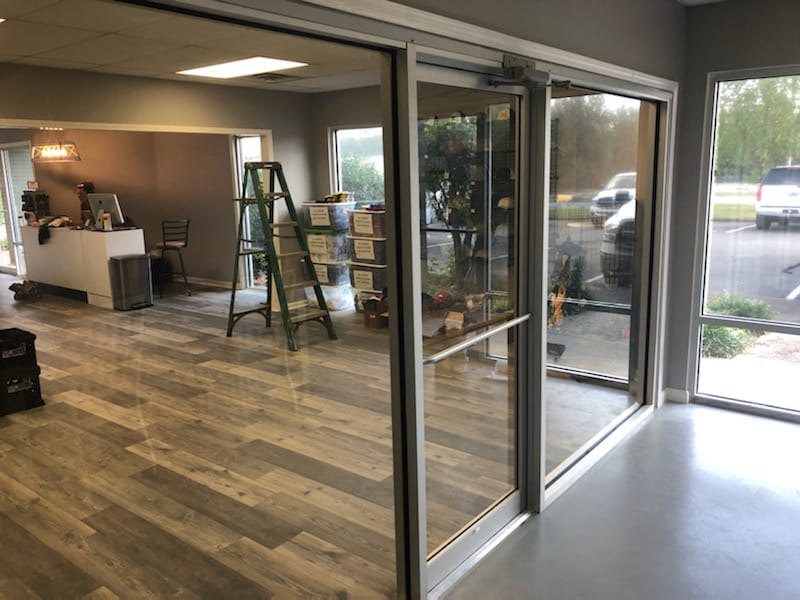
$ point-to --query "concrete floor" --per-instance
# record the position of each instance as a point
(697, 503)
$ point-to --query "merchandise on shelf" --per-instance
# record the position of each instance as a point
(327, 246)
(368, 223)
(333, 273)
(337, 297)
(367, 277)
(326, 215)
(365, 250)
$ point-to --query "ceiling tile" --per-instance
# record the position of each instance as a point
(186, 30)
(179, 59)
(55, 63)
(114, 37)
(108, 49)
(93, 15)
(27, 38)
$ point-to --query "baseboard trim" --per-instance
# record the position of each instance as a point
(675, 395)
(208, 282)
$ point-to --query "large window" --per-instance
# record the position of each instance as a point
(248, 149)
(750, 319)
(358, 163)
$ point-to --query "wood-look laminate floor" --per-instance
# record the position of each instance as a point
(170, 460)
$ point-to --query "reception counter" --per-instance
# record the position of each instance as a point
(78, 258)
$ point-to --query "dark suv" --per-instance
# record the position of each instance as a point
(619, 245)
(778, 197)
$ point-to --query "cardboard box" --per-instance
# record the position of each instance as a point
(376, 314)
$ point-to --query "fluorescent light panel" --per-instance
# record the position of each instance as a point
(242, 68)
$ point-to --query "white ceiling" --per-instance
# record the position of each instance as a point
(108, 37)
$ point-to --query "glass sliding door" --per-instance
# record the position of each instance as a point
(469, 195)
(595, 280)
(16, 170)
(750, 314)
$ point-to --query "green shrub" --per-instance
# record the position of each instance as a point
(724, 342)
(736, 306)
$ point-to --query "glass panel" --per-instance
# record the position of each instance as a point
(468, 165)
(249, 150)
(750, 366)
(753, 257)
(359, 163)
(17, 171)
(592, 245)
(752, 263)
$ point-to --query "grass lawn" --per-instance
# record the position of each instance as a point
(733, 212)
(565, 211)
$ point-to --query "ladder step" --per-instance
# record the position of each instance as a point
(251, 251)
(283, 224)
(300, 284)
(306, 314)
(268, 197)
(298, 253)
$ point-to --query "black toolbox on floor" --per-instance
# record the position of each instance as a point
(19, 372)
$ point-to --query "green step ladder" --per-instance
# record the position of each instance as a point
(263, 185)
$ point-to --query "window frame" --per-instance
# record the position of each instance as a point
(334, 171)
(699, 317)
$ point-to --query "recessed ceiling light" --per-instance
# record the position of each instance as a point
(2, 20)
(244, 67)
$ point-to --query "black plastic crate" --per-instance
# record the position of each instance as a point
(17, 349)
(20, 390)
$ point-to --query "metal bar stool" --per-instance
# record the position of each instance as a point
(175, 237)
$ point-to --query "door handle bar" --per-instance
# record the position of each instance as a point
(439, 356)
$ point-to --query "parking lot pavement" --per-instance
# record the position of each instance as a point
(752, 263)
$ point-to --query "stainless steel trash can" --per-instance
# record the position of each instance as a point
(131, 283)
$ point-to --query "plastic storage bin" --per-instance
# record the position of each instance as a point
(17, 349)
(368, 223)
(327, 246)
(370, 251)
(329, 215)
(337, 297)
(19, 389)
(368, 277)
(337, 273)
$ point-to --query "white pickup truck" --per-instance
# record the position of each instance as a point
(778, 197)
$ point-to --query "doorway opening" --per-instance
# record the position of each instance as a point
(597, 272)
(16, 176)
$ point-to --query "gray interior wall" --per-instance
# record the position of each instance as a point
(738, 34)
(646, 35)
(156, 176)
(350, 108)
(169, 169)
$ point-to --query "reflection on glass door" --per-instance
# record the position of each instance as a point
(468, 161)
(750, 319)
(592, 256)
(16, 170)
